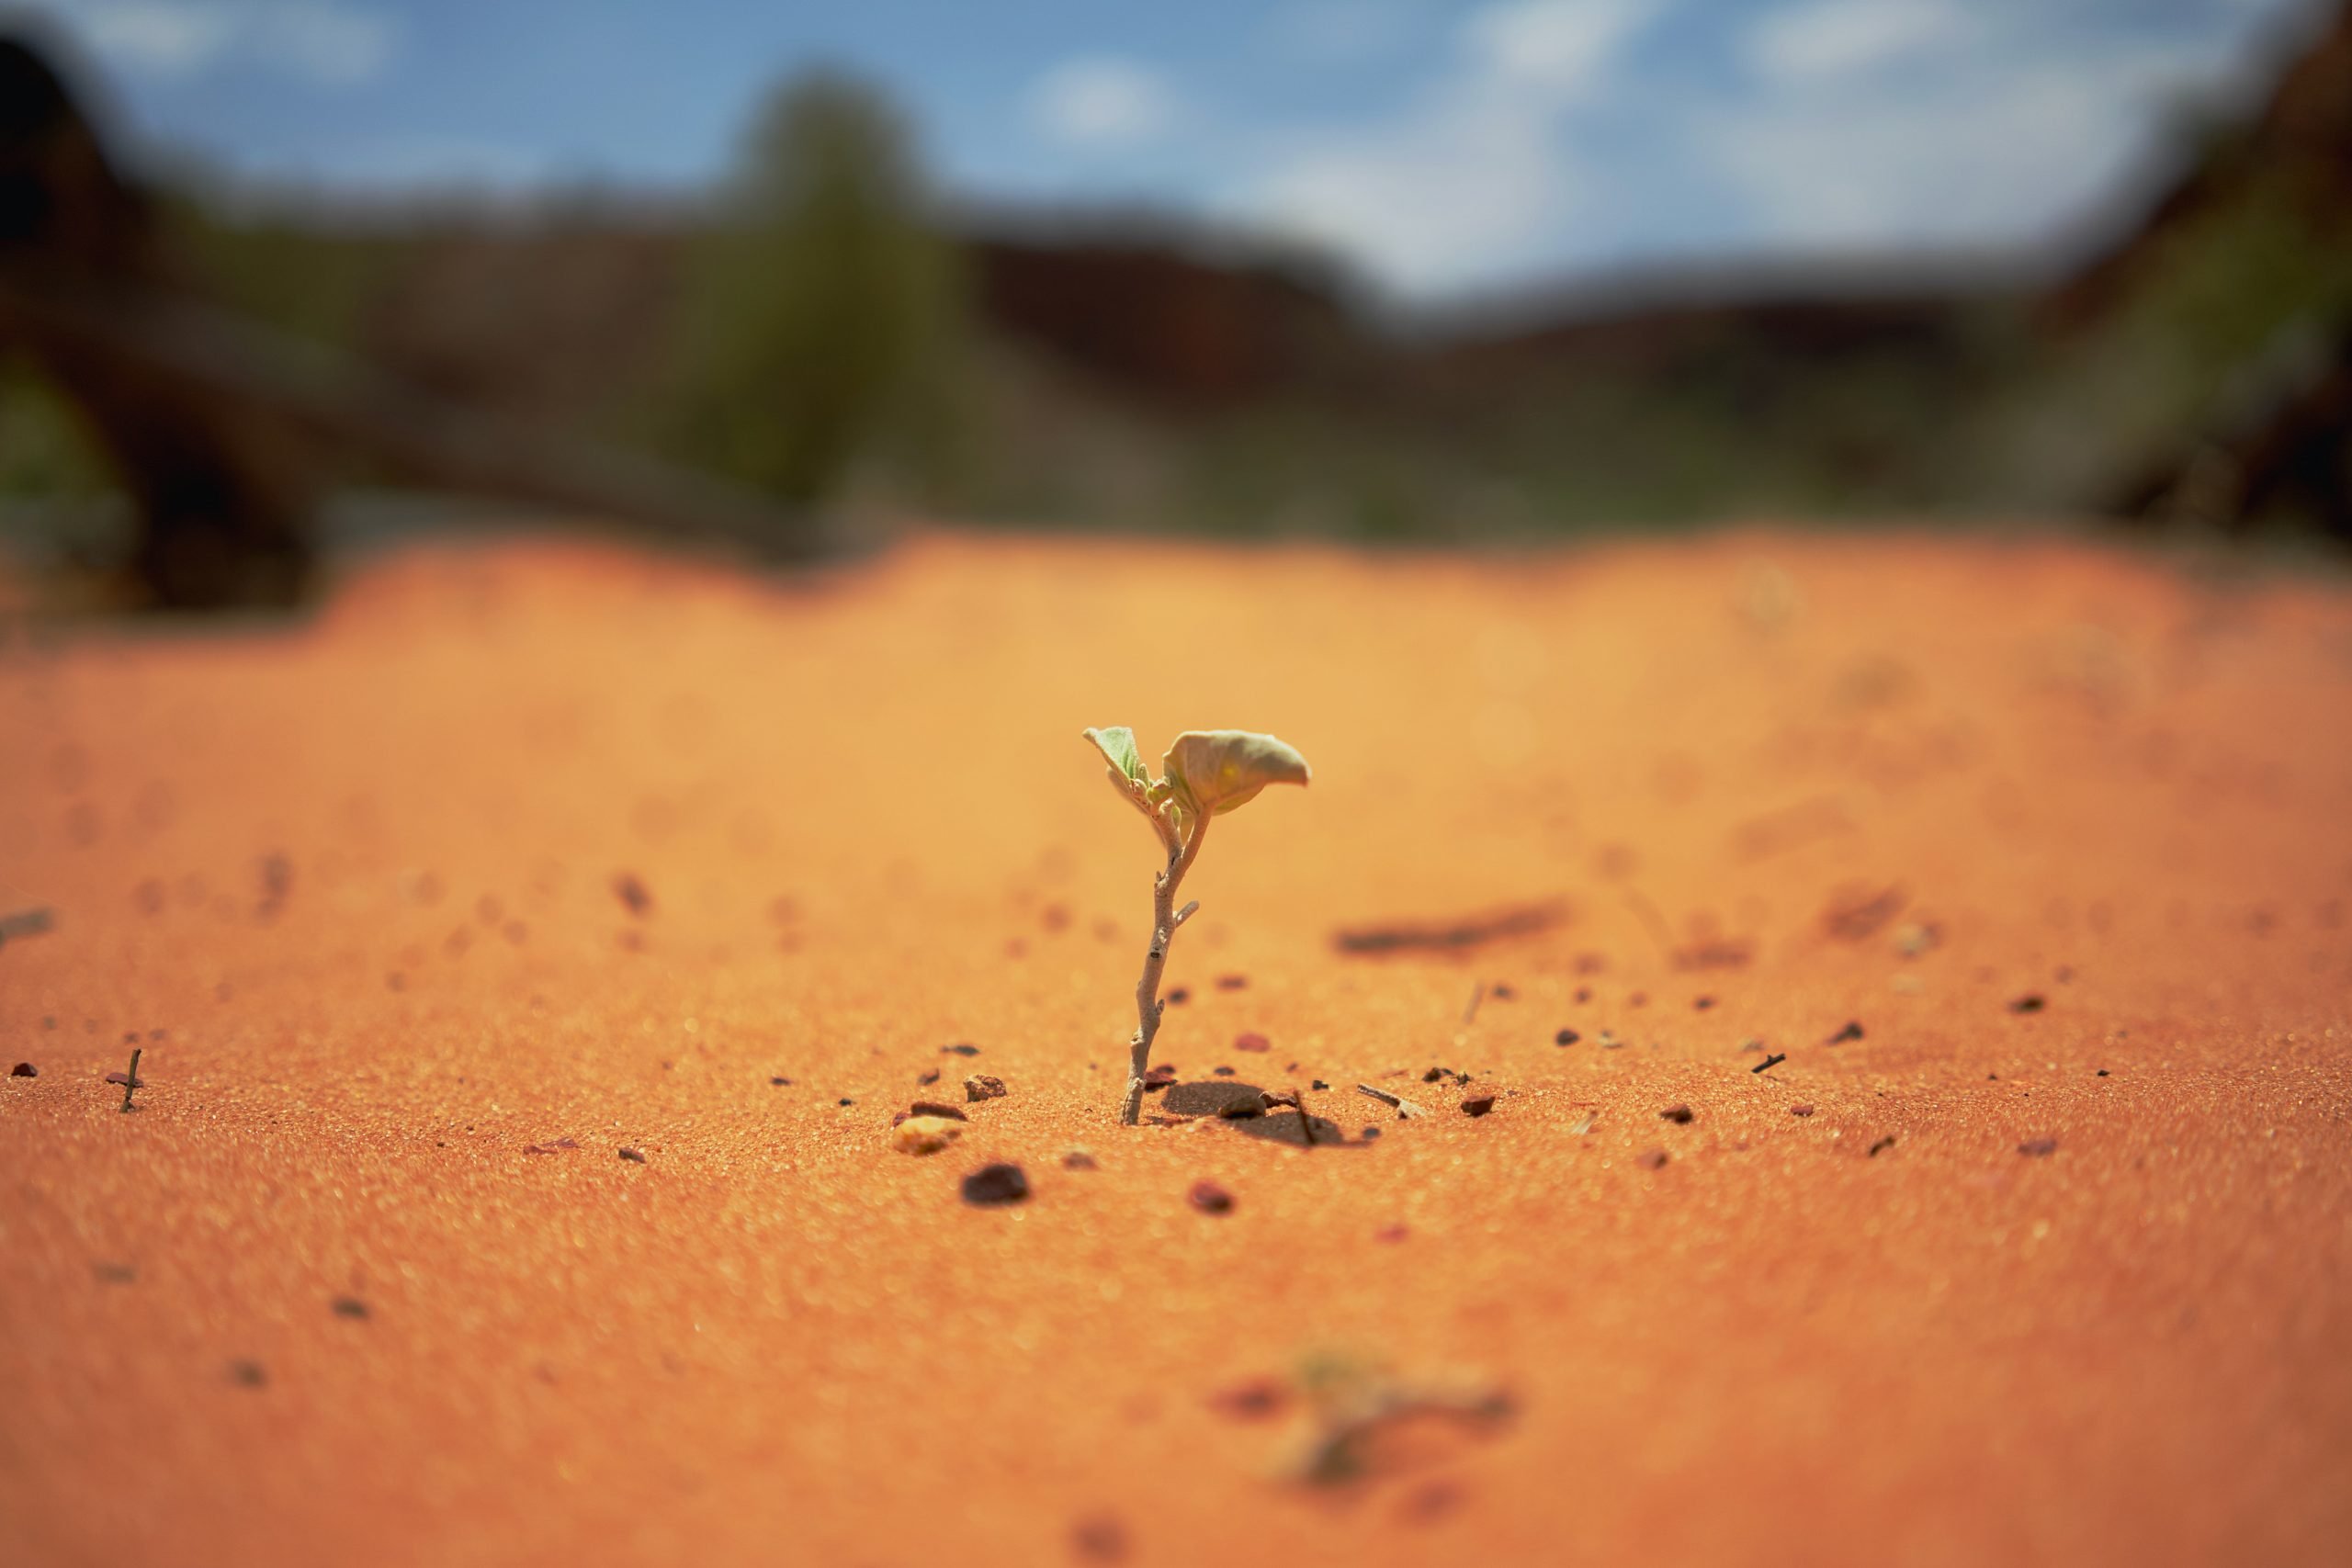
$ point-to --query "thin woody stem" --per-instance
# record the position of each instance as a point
(1148, 1006)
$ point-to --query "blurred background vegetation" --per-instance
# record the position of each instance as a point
(828, 333)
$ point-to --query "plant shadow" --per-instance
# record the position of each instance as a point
(1243, 1107)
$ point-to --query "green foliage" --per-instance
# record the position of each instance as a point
(821, 312)
(45, 449)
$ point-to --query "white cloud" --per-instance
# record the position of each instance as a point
(1558, 46)
(331, 43)
(1475, 171)
(2012, 133)
(1101, 103)
(1828, 39)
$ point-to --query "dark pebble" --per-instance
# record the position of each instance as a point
(1478, 1106)
(959, 1050)
(1800, 1109)
(780, 1083)
(1680, 1114)
(1251, 1401)
(1231, 981)
(2031, 1002)
(349, 1306)
(1100, 1538)
(981, 1086)
(1702, 1003)
(1222, 1072)
(1179, 995)
(2038, 1149)
(1210, 1199)
(1852, 1031)
(632, 1157)
(995, 1184)
(1566, 1037)
(248, 1375)
(24, 1070)
(1881, 1146)
(937, 1108)
(1653, 1160)
(925, 1080)
(845, 1099)
(1318, 1083)
(632, 893)
(1370, 1133)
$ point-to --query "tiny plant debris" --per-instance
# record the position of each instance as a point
(1774, 1060)
(1349, 1404)
(131, 1081)
(1206, 773)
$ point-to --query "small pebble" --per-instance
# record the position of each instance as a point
(959, 1050)
(2030, 1003)
(1391, 1232)
(2038, 1149)
(1210, 1199)
(1179, 995)
(1370, 1133)
(1566, 1037)
(1800, 1109)
(1252, 1041)
(937, 1108)
(24, 1070)
(1678, 1114)
(780, 1083)
(248, 1375)
(1078, 1159)
(1251, 1401)
(995, 1184)
(633, 1157)
(1853, 1031)
(1231, 981)
(1655, 1160)
(348, 1307)
(1321, 1084)
(1478, 1106)
(924, 1080)
(981, 1086)
(1222, 1072)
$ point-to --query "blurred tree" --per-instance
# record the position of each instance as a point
(822, 310)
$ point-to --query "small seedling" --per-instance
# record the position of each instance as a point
(1207, 774)
(131, 1082)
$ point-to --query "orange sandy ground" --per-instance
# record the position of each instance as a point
(777, 1340)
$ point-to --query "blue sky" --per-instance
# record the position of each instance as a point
(1444, 148)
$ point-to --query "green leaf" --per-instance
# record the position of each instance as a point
(1117, 745)
(1215, 770)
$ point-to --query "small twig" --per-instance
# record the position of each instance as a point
(1478, 995)
(1774, 1060)
(1402, 1105)
(131, 1081)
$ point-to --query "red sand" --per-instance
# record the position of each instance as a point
(777, 1340)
